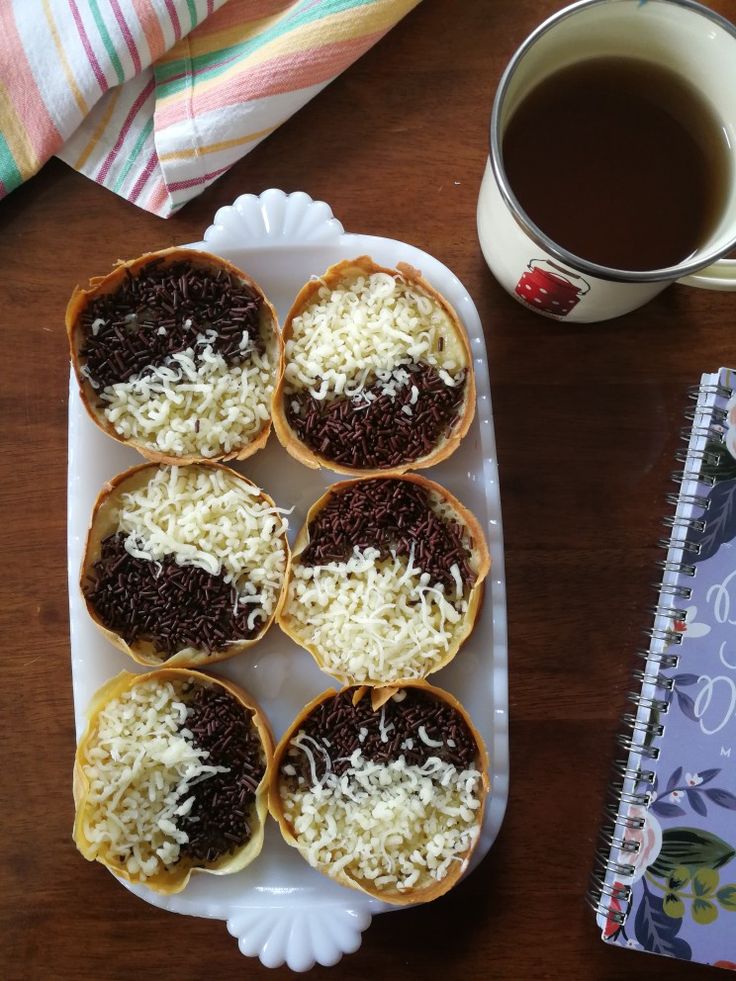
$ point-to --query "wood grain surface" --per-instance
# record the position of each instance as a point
(587, 422)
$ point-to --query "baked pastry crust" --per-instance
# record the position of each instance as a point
(104, 523)
(378, 697)
(99, 285)
(480, 563)
(173, 881)
(348, 269)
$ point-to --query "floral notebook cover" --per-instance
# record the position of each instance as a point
(667, 881)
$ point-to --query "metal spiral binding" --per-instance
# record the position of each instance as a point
(718, 415)
(666, 635)
(689, 524)
(635, 773)
(720, 391)
(626, 821)
(630, 789)
(699, 456)
(695, 500)
(611, 840)
(702, 432)
(672, 589)
(679, 567)
(668, 612)
(660, 705)
(657, 680)
(691, 547)
(681, 476)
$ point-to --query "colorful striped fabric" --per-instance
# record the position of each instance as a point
(155, 99)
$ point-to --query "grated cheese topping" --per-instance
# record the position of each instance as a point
(203, 517)
(373, 619)
(393, 825)
(141, 764)
(367, 328)
(195, 403)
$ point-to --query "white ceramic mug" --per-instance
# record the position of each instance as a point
(680, 34)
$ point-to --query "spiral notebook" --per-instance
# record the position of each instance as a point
(666, 876)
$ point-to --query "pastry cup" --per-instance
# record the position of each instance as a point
(480, 563)
(104, 523)
(346, 876)
(345, 270)
(99, 285)
(168, 882)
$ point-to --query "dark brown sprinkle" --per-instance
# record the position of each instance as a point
(391, 515)
(172, 606)
(145, 320)
(378, 434)
(221, 815)
(336, 724)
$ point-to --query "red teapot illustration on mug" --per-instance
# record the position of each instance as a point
(548, 287)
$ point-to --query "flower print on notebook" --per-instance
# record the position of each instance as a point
(668, 883)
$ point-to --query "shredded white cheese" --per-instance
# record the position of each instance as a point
(373, 619)
(390, 824)
(194, 403)
(365, 328)
(434, 743)
(141, 764)
(203, 517)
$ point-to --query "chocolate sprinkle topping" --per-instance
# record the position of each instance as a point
(336, 724)
(379, 434)
(161, 311)
(392, 515)
(172, 606)
(219, 819)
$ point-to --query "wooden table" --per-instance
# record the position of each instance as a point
(586, 420)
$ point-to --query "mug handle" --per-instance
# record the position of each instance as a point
(719, 276)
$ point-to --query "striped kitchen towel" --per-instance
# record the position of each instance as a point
(154, 99)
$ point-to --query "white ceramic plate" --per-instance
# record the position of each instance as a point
(280, 909)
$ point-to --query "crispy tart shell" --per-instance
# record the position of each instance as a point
(104, 522)
(480, 563)
(175, 880)
(99, 285)
(345, 270)
(378, 696)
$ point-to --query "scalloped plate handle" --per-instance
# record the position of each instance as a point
(299, 937)
(272, 218)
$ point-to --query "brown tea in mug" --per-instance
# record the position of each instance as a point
(619, 161)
